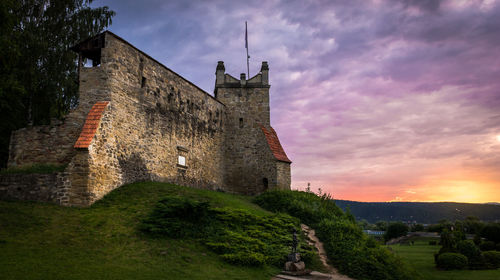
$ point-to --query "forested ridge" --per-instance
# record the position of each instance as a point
(421, 212)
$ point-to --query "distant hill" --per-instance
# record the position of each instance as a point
(421, 212)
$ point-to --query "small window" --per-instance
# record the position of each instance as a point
(182, 154)
(143, 82)
(182, 160)
(241, 122)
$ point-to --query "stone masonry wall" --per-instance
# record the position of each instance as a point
(249, 161)
(283, 175)
(54, 143)
(35, 187)
(153, 116)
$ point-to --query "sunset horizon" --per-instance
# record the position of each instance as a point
(372, 100)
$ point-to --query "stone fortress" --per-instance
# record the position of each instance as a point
(137, 120)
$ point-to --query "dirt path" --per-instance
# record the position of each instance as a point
(333, 273)
(322, 254)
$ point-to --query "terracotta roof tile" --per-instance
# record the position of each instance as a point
(91, 124)
(274, 144)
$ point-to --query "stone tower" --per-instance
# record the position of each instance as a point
(254, 158)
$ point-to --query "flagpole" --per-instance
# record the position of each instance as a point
(246, 46)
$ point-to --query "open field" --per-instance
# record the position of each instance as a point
(46, 241)
(421, 257)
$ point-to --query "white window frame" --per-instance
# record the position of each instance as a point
(181, 160)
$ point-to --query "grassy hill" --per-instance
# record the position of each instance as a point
(422, 212)
(162, 231)
(45, 241)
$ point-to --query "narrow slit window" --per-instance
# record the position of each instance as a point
(241, 122)
(143, 82)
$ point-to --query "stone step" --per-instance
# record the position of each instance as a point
(315, 275)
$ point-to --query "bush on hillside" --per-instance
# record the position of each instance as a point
(347, 247)
(179, 217)
(449, 261)
(238, 236)
(492, 259)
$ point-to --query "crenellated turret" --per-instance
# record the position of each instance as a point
(248, 97)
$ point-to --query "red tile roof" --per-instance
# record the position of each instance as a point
(274, 144)
(91, 124)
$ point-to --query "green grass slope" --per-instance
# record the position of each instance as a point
(45, 241)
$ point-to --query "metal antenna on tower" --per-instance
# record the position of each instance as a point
(246, 46)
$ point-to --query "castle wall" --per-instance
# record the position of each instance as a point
(53, 144)
(154, 115)
(35, 187)
(283, 175)
(154, 126)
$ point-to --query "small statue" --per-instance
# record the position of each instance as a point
(295, 242)
(294, 266)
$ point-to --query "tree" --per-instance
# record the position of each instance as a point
(395, 230)
(491, 231)
(448, 241)
(382, 225)
(38, 71)
(473, 225)
(417, 227)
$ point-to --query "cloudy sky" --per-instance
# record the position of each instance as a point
(382, 100)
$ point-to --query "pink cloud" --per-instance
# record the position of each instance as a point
(371, 100)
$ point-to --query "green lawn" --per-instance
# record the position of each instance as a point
(421, 257)
(46, 241)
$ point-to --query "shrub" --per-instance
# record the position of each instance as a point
(468, 249)
(449, 261)
(487, 246)
(433, 242)
(371, 242)
(447, 250)
(238, 236)
(472, 252)
(492, 259)
(178, 217)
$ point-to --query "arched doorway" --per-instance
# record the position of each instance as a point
(265, 182)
